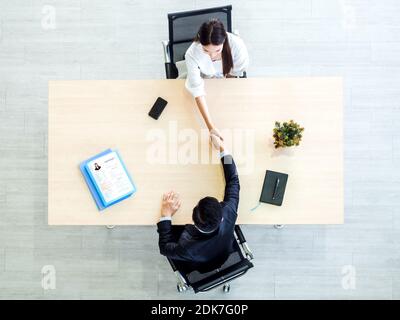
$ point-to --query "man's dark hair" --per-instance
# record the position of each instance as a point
(207, 214)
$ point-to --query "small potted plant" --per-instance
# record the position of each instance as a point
(287, 135)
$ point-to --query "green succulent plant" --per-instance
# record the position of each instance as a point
(287, 135)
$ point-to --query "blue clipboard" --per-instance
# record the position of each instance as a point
(92, 187)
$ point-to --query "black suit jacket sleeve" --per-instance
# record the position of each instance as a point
(232, 186)
(168, 244)
(177, 248)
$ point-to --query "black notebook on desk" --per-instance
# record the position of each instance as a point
(274, 187)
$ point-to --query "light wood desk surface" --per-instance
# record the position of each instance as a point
(87, 117)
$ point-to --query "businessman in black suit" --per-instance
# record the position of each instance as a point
(211, 236)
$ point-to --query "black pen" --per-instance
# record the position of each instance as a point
(275, 189)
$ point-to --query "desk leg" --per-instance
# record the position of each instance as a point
(278, 226)
(110, 226)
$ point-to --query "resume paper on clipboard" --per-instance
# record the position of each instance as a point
(110, 177)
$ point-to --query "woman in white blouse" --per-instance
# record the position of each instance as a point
(214, 53)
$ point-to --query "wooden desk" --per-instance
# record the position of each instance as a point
(87, 117)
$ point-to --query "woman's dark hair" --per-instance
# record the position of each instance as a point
(213, 32)
(207, 214)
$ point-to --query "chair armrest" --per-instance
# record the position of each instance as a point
(171, 72)
(239, 234)
(247, 251)
(243, 242)
(172, 264)
(167, 58)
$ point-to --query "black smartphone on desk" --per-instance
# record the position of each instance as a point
(157, 108)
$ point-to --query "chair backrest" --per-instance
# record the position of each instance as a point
(234, 266)
(183, 27)
(222, 277)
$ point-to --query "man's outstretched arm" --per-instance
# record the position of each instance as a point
(232, 186)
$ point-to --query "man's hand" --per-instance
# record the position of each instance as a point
(215, 132)
(170, 204)
(217, 142)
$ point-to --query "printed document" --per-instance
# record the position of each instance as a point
(110, 176)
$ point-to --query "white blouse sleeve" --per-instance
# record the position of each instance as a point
(240, 56)
(194, 82)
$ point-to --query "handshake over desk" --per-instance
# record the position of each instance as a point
(217, 140)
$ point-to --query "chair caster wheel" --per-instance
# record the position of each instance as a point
(278, 226)
(180, 288)
(226, 288)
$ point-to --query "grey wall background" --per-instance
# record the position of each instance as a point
(356, 39)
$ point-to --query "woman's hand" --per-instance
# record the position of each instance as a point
(215, 132)
(170, 204)
(217, 142)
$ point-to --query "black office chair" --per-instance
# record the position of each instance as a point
(183, 27)
(205, 279)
